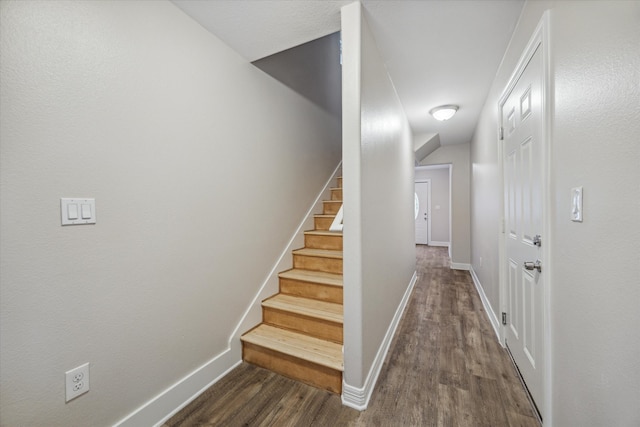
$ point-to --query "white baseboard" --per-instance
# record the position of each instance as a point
(493, 318)
(460, 266)
(166, 404)
(440, 244)
(358, 398)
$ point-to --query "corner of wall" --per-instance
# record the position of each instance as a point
(358, 397)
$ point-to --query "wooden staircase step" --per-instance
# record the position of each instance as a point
(331, 206)
(328, 311)
(339, 182)
(336, 194)
(326, 260)
(325, 253)
(311, 360)
(323, 222)
(323, 239)
(316, 318)
(313, 277)
(312, 284)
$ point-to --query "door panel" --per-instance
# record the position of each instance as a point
(422, 220)
(522, 148)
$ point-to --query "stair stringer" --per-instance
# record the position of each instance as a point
(253, 314)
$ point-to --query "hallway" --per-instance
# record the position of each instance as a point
(445, 367)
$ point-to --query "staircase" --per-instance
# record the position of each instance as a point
(301, 331)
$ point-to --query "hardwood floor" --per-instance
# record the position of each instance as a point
(445, 367)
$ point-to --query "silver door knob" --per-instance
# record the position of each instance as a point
(533, 265)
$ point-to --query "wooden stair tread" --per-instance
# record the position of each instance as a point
(325, 253)
(323, 233)
(317, 309)
(321, 352)
(321, 277)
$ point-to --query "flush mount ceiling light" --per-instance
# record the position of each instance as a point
(443, 112)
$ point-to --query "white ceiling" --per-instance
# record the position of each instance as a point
(436, 51)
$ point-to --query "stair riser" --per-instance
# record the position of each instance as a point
(331, 207)
(336, 194)
(317, 291)
(323, 242)
(318, 328)
(314, 263)
(322, 223)
(292, 367)
(340, 182)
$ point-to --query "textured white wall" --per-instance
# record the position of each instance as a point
(595, 295)
(595, 264)
(387, 186)
(440, 190)
(379, 186)
(458, 156)
(136, 105)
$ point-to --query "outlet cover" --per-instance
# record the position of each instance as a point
(77, 381)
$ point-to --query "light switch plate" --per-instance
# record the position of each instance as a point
(576, 204)
(84, 211)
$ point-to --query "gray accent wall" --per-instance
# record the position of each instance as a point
(311, 69)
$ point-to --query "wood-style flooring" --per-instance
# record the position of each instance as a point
(445, 367)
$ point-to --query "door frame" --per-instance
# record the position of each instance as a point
(422, 181)
(539, 40)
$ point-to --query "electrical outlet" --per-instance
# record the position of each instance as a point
(77, 381)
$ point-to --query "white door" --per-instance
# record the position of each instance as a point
(522, 153)
(422, 213)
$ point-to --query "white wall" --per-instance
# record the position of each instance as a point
(439, 176)
(379, 249)
(458, 156)
(596, 272)
(136, 105)
(595, 264)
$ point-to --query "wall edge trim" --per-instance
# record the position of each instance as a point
(358, 398)
(439, 244)
(460, 266)
(181, 393)
(491, 314)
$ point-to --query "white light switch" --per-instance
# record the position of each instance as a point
(86, 211)
(576, 204)
(78, 211)
(72, 211)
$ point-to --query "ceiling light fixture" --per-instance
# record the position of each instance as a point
(443, 112)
